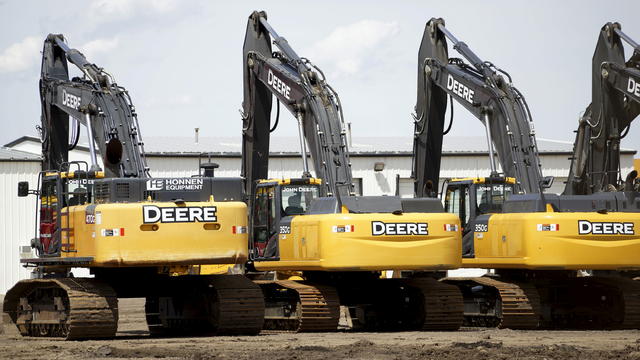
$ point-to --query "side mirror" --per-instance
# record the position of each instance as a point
(23, 188)
(546, 182)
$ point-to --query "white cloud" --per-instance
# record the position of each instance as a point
(347, 47)
(97, 46)
(26, 53)
(162, 6)
(110, 10)
(174, 100)
(184, 99)
(20, 56)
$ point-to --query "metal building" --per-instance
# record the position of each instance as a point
(381, 166)
(17, 215)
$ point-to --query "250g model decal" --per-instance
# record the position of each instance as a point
(382, 228)
(605, 228)
(153, 214)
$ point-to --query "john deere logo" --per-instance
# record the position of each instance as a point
(153, 214)
(605, 228)
(382, 228)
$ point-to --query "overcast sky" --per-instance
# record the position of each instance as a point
(182, 60)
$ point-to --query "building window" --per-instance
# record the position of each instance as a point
(357, 186)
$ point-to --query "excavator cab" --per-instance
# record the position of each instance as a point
(274, 205)
(57, 191)
(472, 199)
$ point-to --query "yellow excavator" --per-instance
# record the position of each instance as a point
(137, 234)
(335, 244)
(535, 241)
(615, 104)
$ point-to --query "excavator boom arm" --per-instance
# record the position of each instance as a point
(615, 103)
(302, 89)
(481, 89)
(95, 101)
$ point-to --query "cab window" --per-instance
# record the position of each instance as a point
(79, 191)
(491, 197)
(48, 201)
(296, 198)
(452, 200)
(263, 218)
(457, 202)
(263, 207)
(467, 207)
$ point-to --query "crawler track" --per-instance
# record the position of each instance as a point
(628, 316)
(206, 305)
(518, 305)
(631, 296)
(73, 308)
(442, 304)
(241, 305)
(313, 308)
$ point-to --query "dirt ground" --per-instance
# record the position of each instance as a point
(133, 342)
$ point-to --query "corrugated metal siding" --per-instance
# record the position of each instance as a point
(373, 183)
(17, 214)
(17, 219)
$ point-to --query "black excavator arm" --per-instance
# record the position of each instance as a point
(615, 103)
(481, 88)
(95, 101)
(301, 87)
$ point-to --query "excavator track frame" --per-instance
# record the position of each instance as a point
(435, 306)
(408, 304)
(79, 308)
(206, 305)
(314, 308)
(619, 296)
(575, 303)
(443, 304)
(517, 304)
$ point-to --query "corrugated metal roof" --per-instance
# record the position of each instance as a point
(232, 145)
(360, 145)
(17, 155)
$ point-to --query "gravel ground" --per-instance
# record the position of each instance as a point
(133, 341)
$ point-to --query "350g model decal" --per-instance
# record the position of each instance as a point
(383, 228)
(285, 229)
(605, 228)
(153, 214)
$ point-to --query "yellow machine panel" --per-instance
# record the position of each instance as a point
(158, 233)
(556, 240)
(357, 242)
